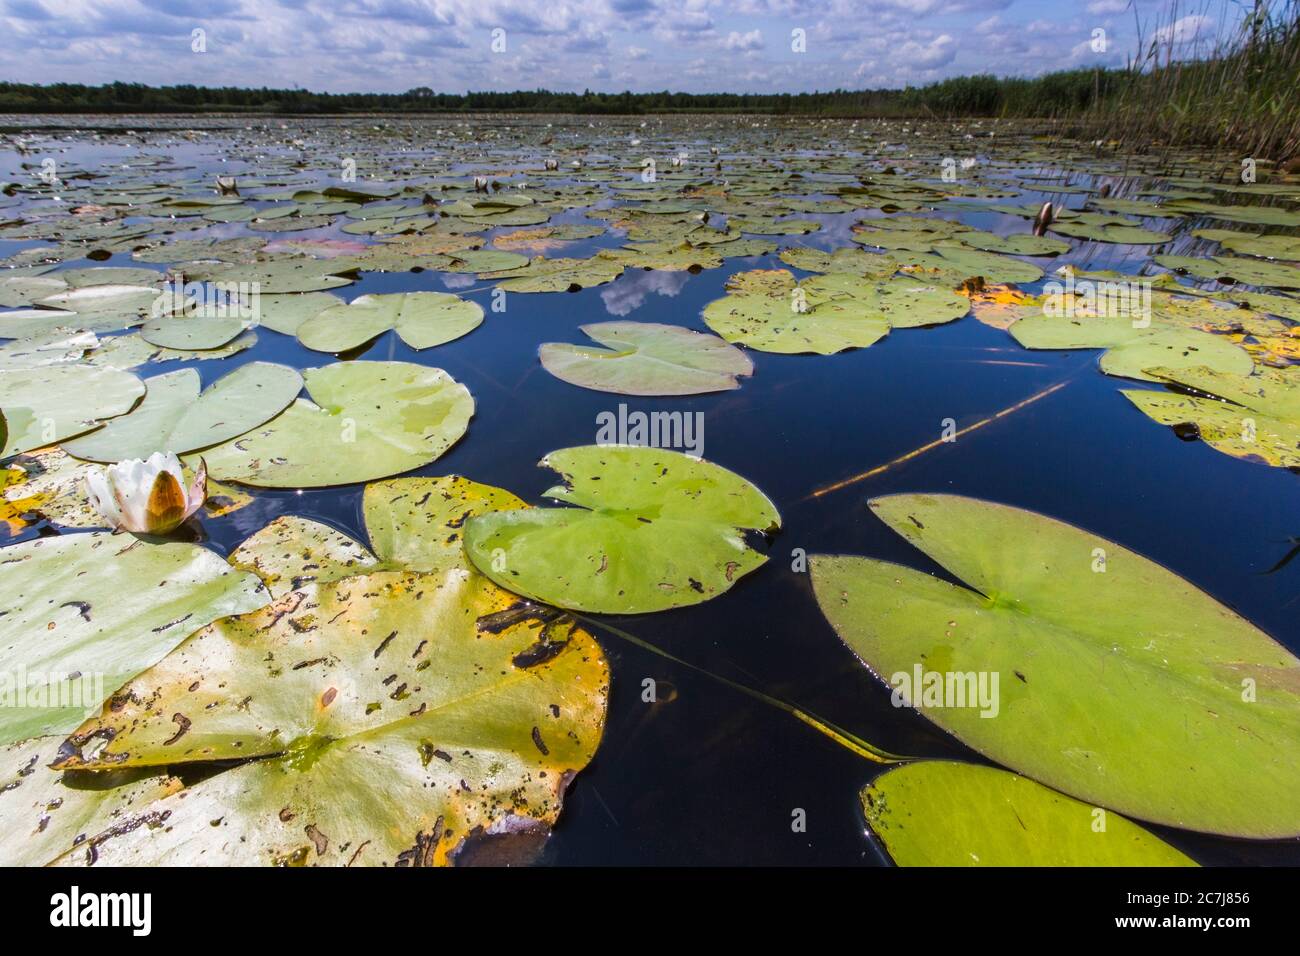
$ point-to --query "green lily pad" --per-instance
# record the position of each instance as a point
(27, 289)
(850, 261)
(370, 420)
(952, 266)
(175, 417)
(51, 348)
(196, 333)
(903, 301)
(1021, 244)
(646, 358)
(668, 258)
(296, 274)
(774, 324)
(557, 275)
(131, 351)
(57, 402)
(1109, 232)
(29, 323)
(1121, 686)
(103, 298)
(1276, 275)
(485, 261)
(1132, 348)
(108, 275)
(286, 313)
(422, 320)
(942, 813)
(414, 524)
(651, 530)
(104, 606)
(1264, 247)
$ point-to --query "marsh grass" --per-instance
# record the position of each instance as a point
(1240, 93)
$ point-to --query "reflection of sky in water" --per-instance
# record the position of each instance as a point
(629, 293)
(454, 280)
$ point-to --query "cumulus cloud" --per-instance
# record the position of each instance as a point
(753, 40)
(690, 45)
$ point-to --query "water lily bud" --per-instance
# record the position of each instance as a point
(480, 184)
(226, 186)
(1044, 219)
(147, 497)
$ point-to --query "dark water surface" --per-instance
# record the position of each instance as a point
(708, 775)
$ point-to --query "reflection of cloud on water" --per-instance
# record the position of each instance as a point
(453, 280)
(628, 293)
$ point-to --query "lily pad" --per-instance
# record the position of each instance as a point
(557, 275)
(43, 814)
(1258, 419)
(103, 607)
(646, 358)
(370, 420)
(286, 313)
(774, 324)
(175, 417)
(404, 712)
(50, 404)
(422, 320)
(1121, 686)
(197, 333)
(942, 813)
(650, 530)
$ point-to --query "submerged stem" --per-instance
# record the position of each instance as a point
(842, 737)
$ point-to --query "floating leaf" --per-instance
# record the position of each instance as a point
(370, 420)
(557, 275)
(48, 405)
(87, 612)
(175, 417)
(422, 320)
(1121, 688)
(1259, 421)
(650, 530)
(646, 358)
(405, 712)
(43, 814)
(942, 813)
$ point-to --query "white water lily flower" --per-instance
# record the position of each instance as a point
(146, 497)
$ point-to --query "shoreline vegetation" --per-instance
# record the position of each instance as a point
(1239, 95)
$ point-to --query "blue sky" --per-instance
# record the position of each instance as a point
(681, 45)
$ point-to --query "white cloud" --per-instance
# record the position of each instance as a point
(690, 45)
(753, 40)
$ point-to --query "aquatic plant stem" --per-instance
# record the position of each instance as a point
(917, 452)
(842, 737)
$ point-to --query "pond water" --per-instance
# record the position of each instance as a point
(709, 774)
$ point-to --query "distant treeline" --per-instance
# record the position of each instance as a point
(1053, 94)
